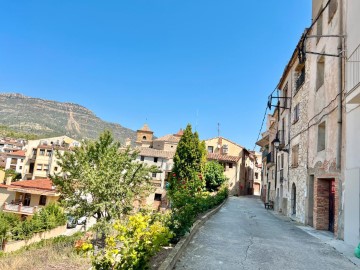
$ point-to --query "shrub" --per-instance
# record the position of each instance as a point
(186, 208)
(214, 175)
(134, 242)
(49, 217)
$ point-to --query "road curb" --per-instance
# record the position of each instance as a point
(171, 259)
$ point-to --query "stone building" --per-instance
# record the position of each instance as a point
(309, 129)
(257, 172)
(324, 127)
(268, 191)
(239, 164)
(352, 130)
(158, 152)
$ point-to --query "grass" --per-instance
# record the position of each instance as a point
(57, 253)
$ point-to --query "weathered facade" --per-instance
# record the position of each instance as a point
(309, 123)
(160, 153)
(352, 130)
(324, 119)
(238, 164)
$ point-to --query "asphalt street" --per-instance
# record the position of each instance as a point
(243, 235)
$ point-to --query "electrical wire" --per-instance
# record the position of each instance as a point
(262, 124)
(276, 88)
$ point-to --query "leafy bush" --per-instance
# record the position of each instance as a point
(187, 208)
(49, 217)
(133, 243)
(214, 175)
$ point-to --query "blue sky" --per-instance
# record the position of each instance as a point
(164, 62)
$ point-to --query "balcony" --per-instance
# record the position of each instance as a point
(300, 80)
(270, 158)
(19, 208)
(281, 137)
(281, 176)
(156, 183)
(265, 153)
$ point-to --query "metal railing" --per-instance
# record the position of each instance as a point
(353, 69)
(300, 80)
(265, 153)
(281, 176)
(270, 158)
(281, 137)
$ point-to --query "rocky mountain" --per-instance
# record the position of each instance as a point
(51, 118)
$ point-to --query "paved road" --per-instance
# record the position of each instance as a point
(243, 235)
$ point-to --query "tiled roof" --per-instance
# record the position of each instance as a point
(3, 186)
(151, 152)
(168, 138)
(219, 157)
(226, 140)
(44, 184)
(19, 153)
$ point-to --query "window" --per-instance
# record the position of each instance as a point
(34, 152)
(144, 138)
(20, 167)
(230, 165)
(332, 9)
(42, 152)
(56, 168)
(300, 78)
(42, 200)
(155, 159)
(296, 113)
(22, 160)
(157, 197)
(320, 72)
(142, 158)
(321, 137)
(210, 149)
(285, 91)
(154, 174)
(295, 156)
(319, 26)
(49, 153)
(46, 167)
(256, 175)
(39, 167)
(282, 162)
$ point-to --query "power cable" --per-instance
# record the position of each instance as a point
(262, 124)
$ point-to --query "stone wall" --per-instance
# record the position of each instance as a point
(15, 245)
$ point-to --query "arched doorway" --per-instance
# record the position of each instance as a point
(293, 199)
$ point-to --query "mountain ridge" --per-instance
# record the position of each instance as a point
(53, 118)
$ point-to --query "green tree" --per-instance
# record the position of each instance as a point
(189, 161)
(214, 175)
(99, 180)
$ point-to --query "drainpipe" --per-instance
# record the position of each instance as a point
(339, 138)
(339, 116)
